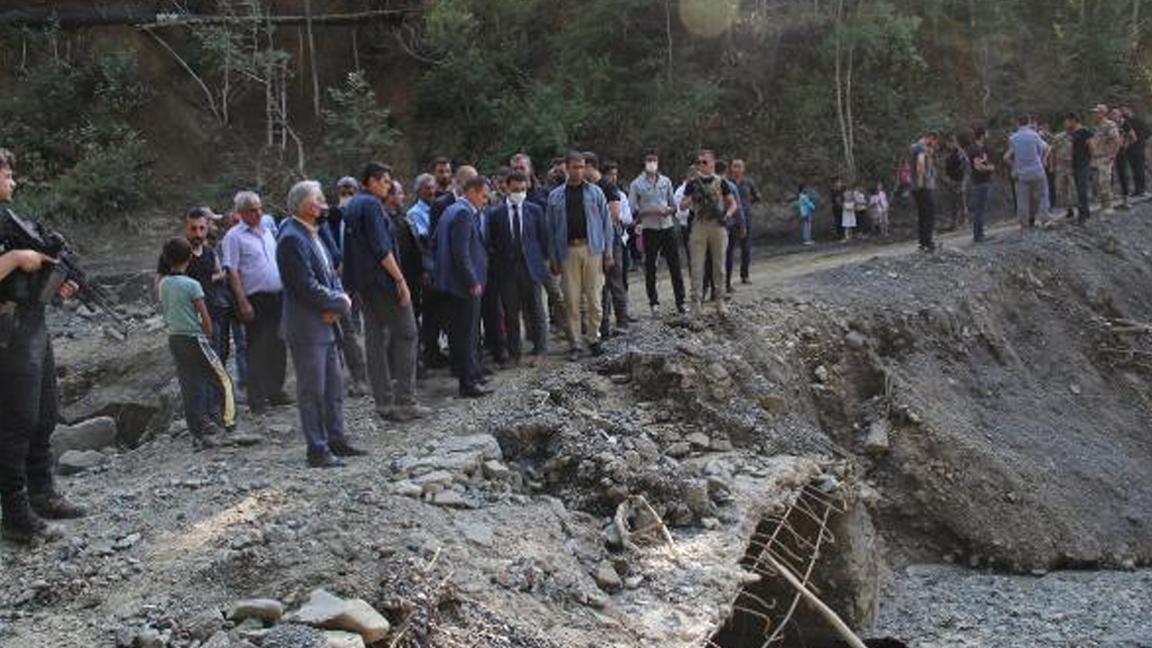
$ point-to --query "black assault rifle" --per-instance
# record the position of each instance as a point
(17, 233)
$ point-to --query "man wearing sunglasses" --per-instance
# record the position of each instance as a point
(713, 206)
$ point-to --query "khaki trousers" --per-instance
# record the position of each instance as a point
(707, 237)
(582, 278)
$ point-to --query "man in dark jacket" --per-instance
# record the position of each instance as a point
(518, 255)
(372, 270)
(314, 302)
(461, 270)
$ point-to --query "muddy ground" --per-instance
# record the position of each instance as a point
(985, 408)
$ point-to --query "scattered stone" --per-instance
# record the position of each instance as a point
(93, 434)
(774, 405)
(876, 442)
(1075, 389)
(496, 470)
(77, 461)
(722, 444)
(476, 532)
(203, 625)
(150, 638)
(607, 579)
(330, 612)
(679, 450)
(341, 639)
(633, 582)
(620, 379)
(127, 542)
(696, 497)
(450, 499)
(266, 610)
(294, 636)
(439, 478)
(698, 440)
(821, 374)
(406, 488)
(218, 640)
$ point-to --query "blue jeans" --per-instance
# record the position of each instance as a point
(981, 191)
(806, 229)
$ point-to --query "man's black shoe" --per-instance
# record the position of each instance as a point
(21, 525)
(475, 391)
(325, 460)
(258, 407)
(280, 398)
(54, 506)
(573, 355)
(344, 449)
(596, 349)
(436, 361)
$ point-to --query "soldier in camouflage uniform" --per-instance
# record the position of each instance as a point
(1104, 155)
(1060, 156)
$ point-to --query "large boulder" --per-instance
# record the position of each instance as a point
(136, 388)
(330, 612)
(78, 461)
(93, 434)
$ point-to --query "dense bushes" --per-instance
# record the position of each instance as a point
(70, 122)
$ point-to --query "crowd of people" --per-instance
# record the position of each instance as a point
(371, 294)
(494, 267)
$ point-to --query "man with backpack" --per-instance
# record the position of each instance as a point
(956, 183)
(714, 206)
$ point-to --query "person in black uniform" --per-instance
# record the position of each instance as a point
(28, 397)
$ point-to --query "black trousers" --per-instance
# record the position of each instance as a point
(925, 216)
(1136, 160)
(267, 356)
(1082, 177)
(203, 383)
(522, 299)
(28, 406)
(433, 321)
(657, 243)
(464, 338)
(492, 316)
(1122, 171)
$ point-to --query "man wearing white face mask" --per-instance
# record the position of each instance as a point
(652, 201)
(517, 252)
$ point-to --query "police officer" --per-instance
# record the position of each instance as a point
(28, 399)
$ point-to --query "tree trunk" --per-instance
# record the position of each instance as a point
(312, 59)
(840, 116)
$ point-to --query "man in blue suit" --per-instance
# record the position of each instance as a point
(461, 270)
(314, 302)
(519, 255)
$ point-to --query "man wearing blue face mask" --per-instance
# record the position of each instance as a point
(518, 254)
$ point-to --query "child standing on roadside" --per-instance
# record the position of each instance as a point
(848, 215)
(805, 206)
(878, 209)
(198, 369)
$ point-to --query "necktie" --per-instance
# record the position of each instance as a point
(516, 234)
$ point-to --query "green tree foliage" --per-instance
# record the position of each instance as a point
(69, 119)
(621, 76)
(356, 126)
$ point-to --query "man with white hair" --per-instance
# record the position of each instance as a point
(249, 257)
(314, 302)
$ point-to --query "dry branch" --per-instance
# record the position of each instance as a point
(828, 613)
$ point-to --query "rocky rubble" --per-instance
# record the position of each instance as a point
(614, 502)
